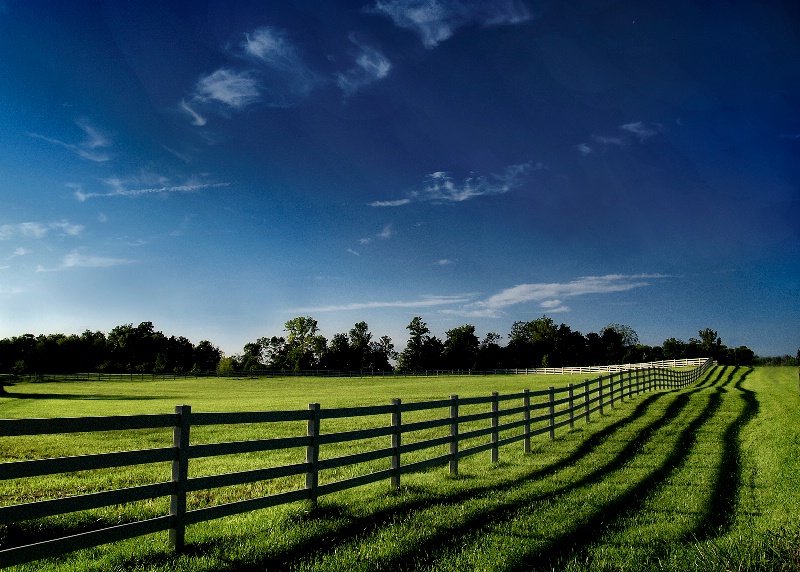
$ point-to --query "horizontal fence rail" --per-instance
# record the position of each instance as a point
(505, 419)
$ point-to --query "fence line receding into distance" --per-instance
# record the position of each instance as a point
(532, 413)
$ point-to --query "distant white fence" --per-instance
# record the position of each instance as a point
(670, 363)
(532, 413)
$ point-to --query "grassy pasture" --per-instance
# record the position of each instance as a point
(705, 478)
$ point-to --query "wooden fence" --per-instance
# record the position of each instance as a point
(524, 414)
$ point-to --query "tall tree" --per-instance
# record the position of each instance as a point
(423, 351)
(304, 345)
(461, 348)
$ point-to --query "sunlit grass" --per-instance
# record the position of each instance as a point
(701, 479)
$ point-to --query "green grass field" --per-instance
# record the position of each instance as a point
(706, 478)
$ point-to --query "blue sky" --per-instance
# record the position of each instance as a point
(218, 168)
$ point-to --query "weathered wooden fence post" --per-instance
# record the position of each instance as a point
(454, 434)
(495, 424)
(312, 453)
(586, 399)
(180, 474)
(600, 392)
(396, 433)
(552, 421)
(526, 417)
(571, 406)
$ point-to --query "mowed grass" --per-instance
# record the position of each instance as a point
(704, 478)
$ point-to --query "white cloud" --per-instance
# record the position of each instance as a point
(444, 262)
(436, 20)
(232, 88)
(640, 130)
(18, 252)
(386, 233)
(609, 140)
(442, 187)
(77, 259)
(549, 295)
(88, 148)
(38, 229)
(371, 66)
(122, 188)
(271, 47)
(197, 119)
(397, 203)
(285, 79)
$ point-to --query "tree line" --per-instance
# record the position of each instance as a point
(535, 343)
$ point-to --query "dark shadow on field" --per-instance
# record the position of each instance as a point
(720, 510)
(350, 530)
(574, 542)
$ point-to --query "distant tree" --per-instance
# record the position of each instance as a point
(570, 347)
(251, 358)
(337, 354)
(360, 350)
(490, 353)
(275, 352)
(530, 341)
(304, 346)
(674, 348)
(381, 352)
(228, 365)
(461, 348)
(423, 351)
(206, 356)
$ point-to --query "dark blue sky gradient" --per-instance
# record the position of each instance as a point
(218, 168)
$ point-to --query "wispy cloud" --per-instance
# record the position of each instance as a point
(423, 302)
(550, 295)
(436, 20)
(371, 66)
(235, 89)
(121, 188)
(386, 233)
(640, 130)
(397, 203)
(90, 148)
(443, 188)
(444, 262)
(38, 229)
(77, 259)
(18, 252)
(197, 119)
(285, 78)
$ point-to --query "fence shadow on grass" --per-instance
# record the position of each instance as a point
(719, 510)
(354, 528)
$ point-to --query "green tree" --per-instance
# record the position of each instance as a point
(360, 350)
(461, 348)
(381, 352)
(304, 346)
(530, 341)
(490, 353)
(206, 356)
(422, 351)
